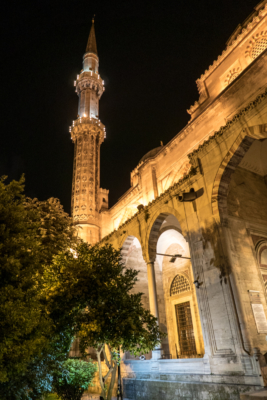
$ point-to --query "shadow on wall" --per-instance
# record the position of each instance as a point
(212, 243)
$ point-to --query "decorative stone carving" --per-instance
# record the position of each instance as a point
(257, 45)
(232, 75)
(180, 284)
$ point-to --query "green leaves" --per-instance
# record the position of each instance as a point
(110, 316)
(51, 286)
(73, 379)
(32, 233)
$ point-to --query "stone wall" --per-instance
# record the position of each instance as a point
(186, 387)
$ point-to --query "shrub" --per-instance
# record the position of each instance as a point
(71, 382)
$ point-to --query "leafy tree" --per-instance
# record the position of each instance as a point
(33, 331)
(113, 317)
(73, 379)
(39, 376)
(47, 293)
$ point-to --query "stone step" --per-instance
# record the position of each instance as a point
(258, 395)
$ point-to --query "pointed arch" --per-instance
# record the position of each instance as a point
(153, 230)
(125, 247)
(230, 162)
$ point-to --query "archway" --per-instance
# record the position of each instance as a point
(132, 257)
(239, 205)
(184, 339)
(244, 149)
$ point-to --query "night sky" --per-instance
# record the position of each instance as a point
(151, 53)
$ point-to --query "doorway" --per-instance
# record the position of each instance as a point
(185, 329)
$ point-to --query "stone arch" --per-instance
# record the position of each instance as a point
(126, 246)
(230, 162)
(238, 202)
(173, 242)
(131, 248)
(153, 230)
(125, 240)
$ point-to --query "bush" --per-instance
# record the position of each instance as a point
(71, 382)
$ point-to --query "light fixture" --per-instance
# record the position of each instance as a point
(173, 259)
(173, 256)
(191, 195)
(197, 283)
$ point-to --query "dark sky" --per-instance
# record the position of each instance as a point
(151, 53)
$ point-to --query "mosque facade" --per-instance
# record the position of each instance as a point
(193, 223)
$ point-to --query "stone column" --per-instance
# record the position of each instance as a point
(152, 289)
(153, 302)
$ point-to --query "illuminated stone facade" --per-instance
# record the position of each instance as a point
(217, 282)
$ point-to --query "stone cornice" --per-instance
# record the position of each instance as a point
(193, 155)
(256, 19)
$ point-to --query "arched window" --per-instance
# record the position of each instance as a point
(261, 250)
(180, 284)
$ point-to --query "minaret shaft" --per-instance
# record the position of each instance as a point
(87, 133)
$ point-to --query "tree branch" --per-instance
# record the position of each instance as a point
(107, 375)
(110, 352)
(112, 382)
(106, 359)
(98, 353)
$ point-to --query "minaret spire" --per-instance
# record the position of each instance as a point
(91, 44)
(87, 133)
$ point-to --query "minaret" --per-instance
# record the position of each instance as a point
(87, 133)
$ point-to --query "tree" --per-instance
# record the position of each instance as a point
(52, 285)
(33, 331)
(113, 316)
(73, 379)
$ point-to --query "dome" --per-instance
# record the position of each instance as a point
(150, 154)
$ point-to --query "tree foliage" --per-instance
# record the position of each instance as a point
(73, 379)
(32, 232)
(113, 316)
(52, 285)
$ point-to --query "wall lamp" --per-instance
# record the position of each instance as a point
(173, 257)
(191, 195)
(197, 283)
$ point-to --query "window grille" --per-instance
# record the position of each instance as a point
(185, 329)
(258, 47)
(179, 285)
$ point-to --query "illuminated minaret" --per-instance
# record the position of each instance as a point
(87, 133)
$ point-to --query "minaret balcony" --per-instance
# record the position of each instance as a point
(87, 125)
(91, 80)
